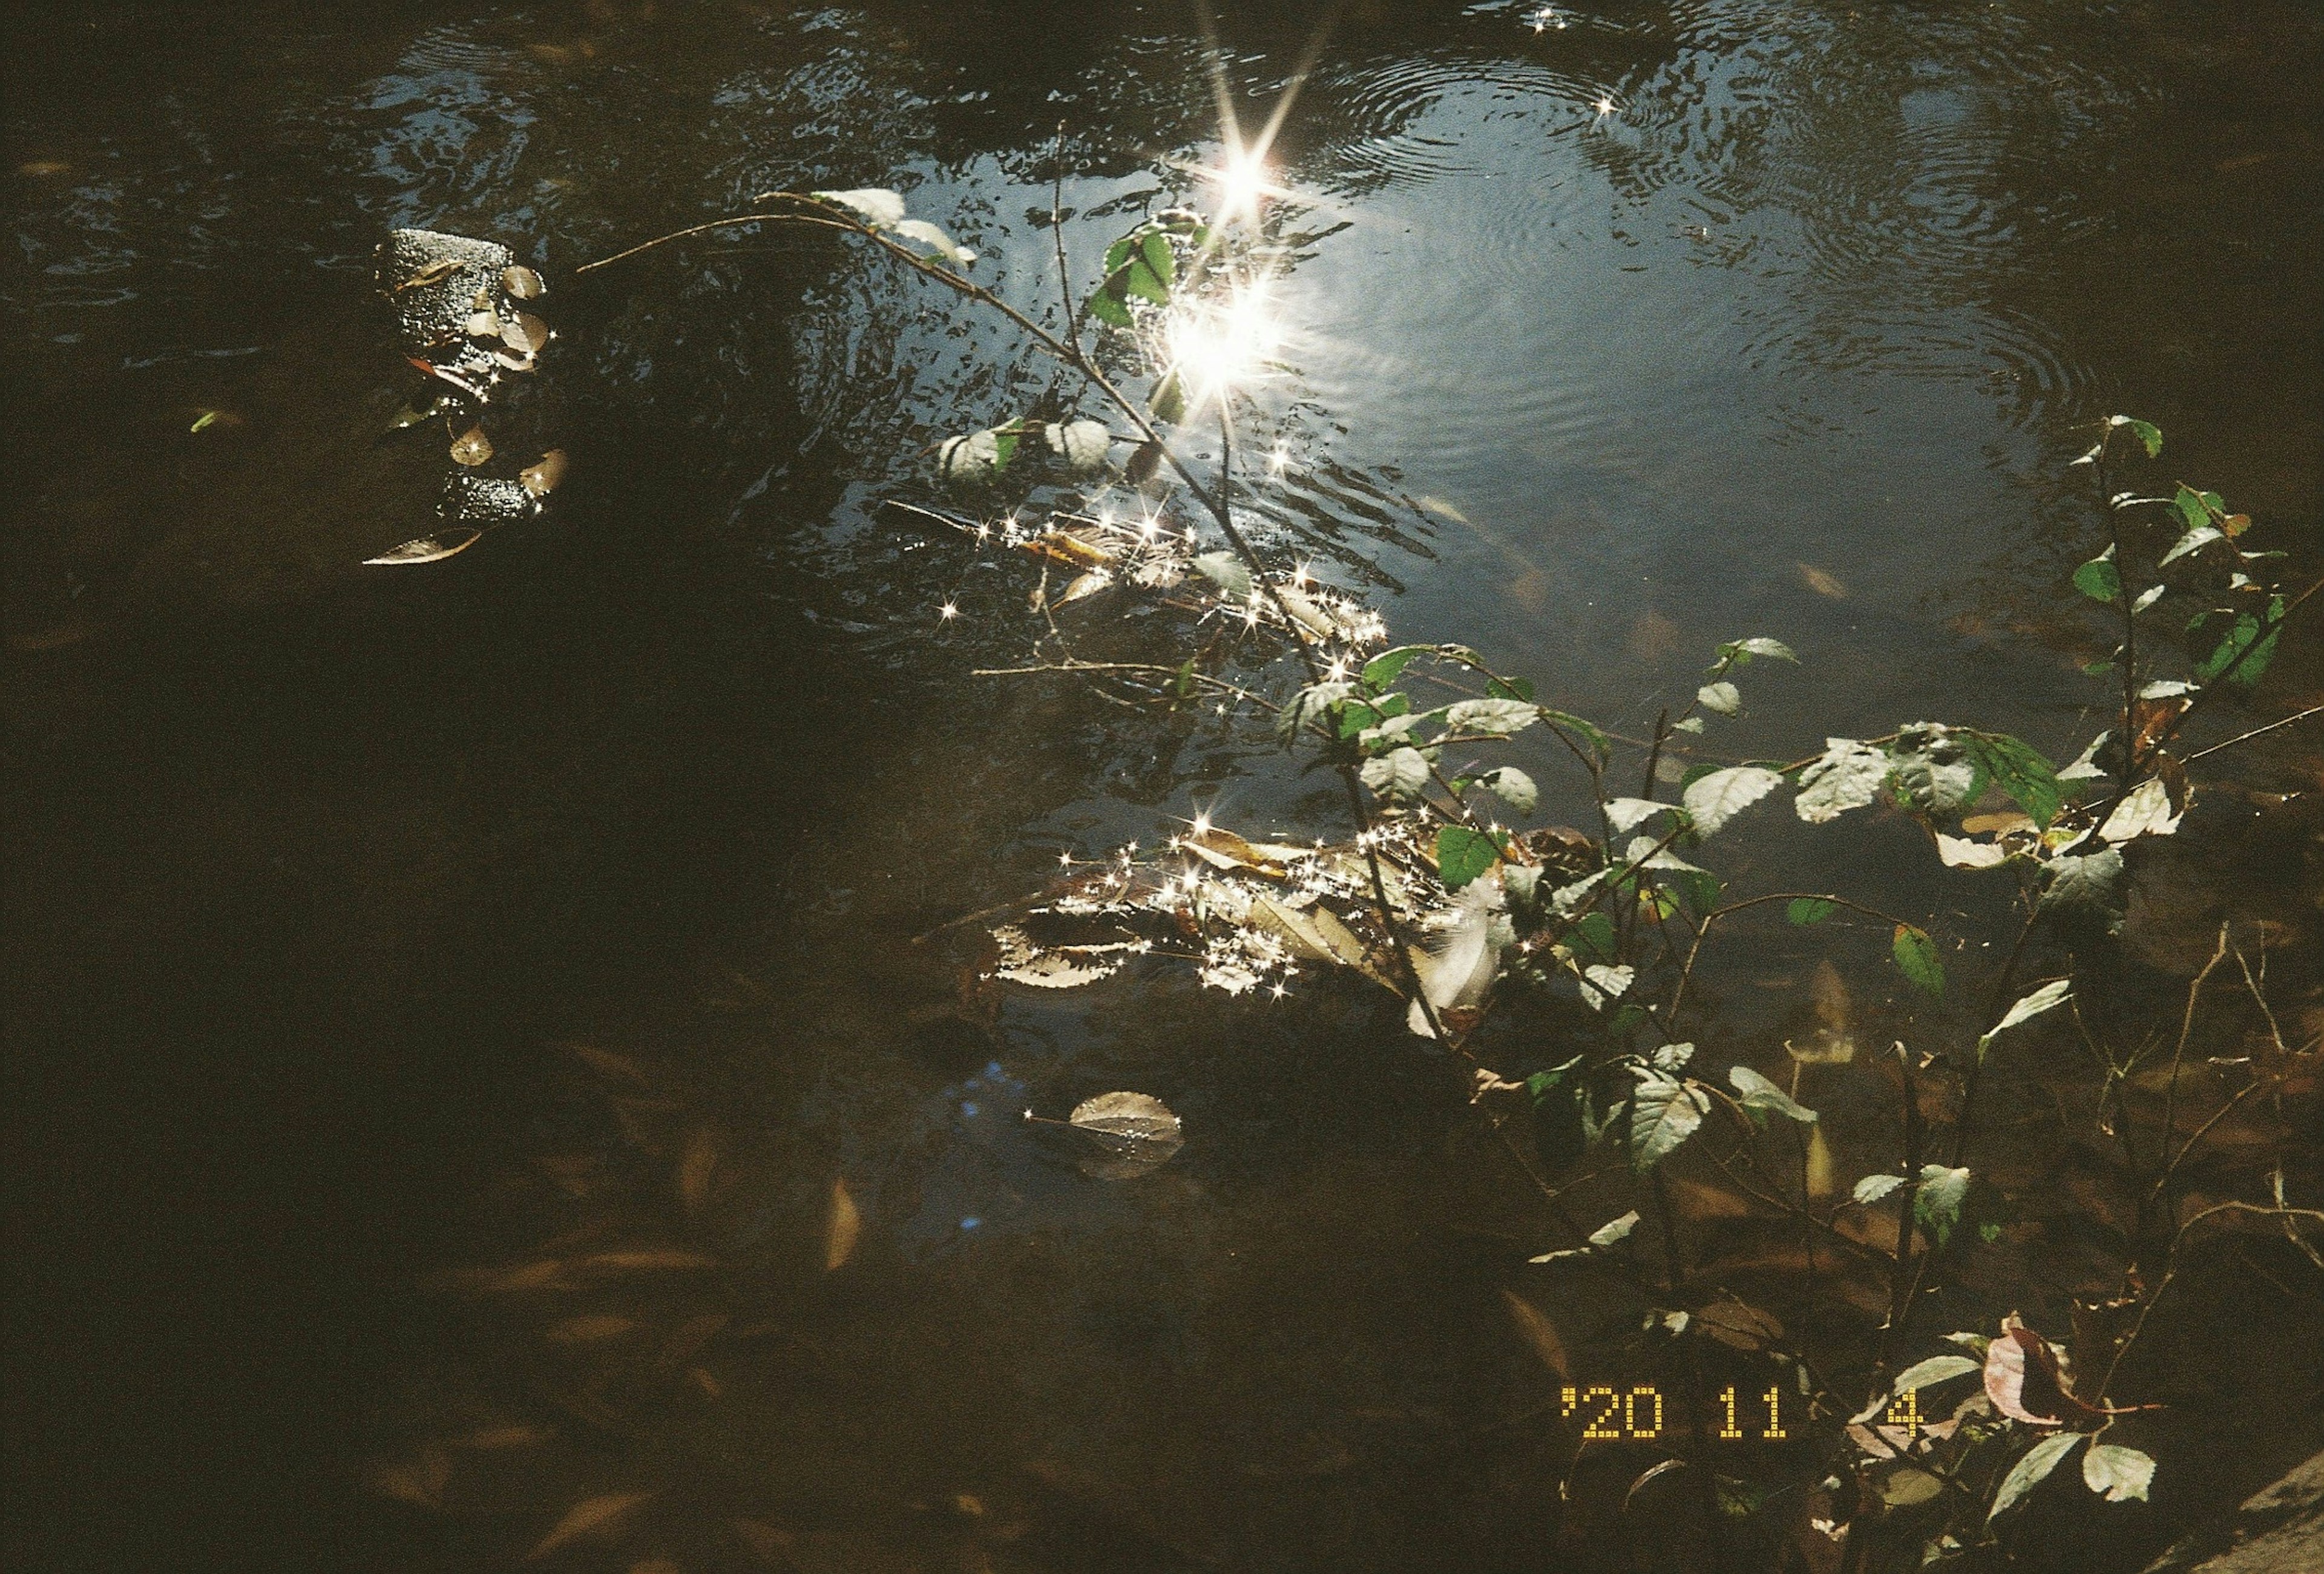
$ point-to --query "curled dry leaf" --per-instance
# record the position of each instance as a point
(1138, 1132)
(842, 1224)
(596, 1517)
(472, 446)
(426, 549)
(543, 475)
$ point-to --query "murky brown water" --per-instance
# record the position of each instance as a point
(315, 869)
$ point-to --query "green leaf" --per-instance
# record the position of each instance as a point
(2099, 579)
(2019, 770)
(1004, 448)
(2118, 1472)
(1109, 308)
(1806, 911)
(1512, 787)
(1168, 400)
(2149, 434)
(1510, 688)
(2085, 890)
(2189, 503)
(1916, 954)
(1722, 696)
(1702, 888)
(1149, 276)
(1400, 773)
(1760, 1093)
(2240, 638)
(1949, 1198)
(1386, 668)
(1936, 1369)
(1497, 718)
(1721, 795)
(1847, 777)
(1461, 854)
(1586, 730)
(1744, 649)
(2030, 1471)
(1592, 938)
(1664, 1113)
(1872, 1188)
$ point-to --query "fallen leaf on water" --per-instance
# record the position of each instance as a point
(426, 549)
(841, 1226)
(1540, 1333)
(593, 1329)
(409, 416)
(542, 476)
(1138, 1129)
(1822, 584)
(522, 282)
(526, 335)
(472, 446)
(38, 167)
(596, 1517)
(484, 324)
(1654, 636)
(696, 1166)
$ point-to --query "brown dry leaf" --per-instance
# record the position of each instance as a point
(472, 448)
(1822, 582)
(841, 1227)
(1085, 585)
(483, 324)
(435, 273)
(544, 475)
(1745, 1328)
(598, 1516)
(527, 335)
(695, 1168)
(592, 1328)
(2000, 825)
(427, 549)
(1138, 1131)
(522, 284)
(2025, 1378)
(1540, 1333)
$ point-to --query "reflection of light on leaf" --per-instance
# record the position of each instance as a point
(1137, 1131)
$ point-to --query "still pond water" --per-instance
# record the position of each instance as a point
(320, 872)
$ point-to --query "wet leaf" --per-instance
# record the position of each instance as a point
(1540, 1333)
(472, 448)
(843, 1222)
(1916, 955)
(1719, 796)
(483, 323)
(2031, 1471)
(544, 475)
(2144, 811)
(526, 335)
(879, 206)
(434, 272)
(1138, 1131)
(522, 284)
(599, 1516)
(593, 1329)
(1084, 586)
(427, 549)
(1760, 1093)
(1227, 571)
(2120, 1473)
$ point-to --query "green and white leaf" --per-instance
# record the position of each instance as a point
(1664, 1113)
(1760, 1094)
(1847, 777)
(2119, 1473)
(1512, 787)
(2031, 1471)
(1496, 718)
(1722, 696)
(1719, 796)
(1400, 773)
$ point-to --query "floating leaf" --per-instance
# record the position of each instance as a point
(2030, 1471)
(1916, 954)
(595, 1327)
(842, 1223)
(522, 284)
(543, 475)
(409, 416)
(879, 208)
(936, 239)
(427, 549)
(1822, 584)
(599, 1516)
(2120, 1473)
(1719, 796)
(1760, 1093)
(472, 448)
(526, 335)
(1080, 448)
(1138, 1131)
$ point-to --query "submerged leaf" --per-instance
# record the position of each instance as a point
(843, 1222)
(1540, 1333)
(596, 1517)
(472, 446)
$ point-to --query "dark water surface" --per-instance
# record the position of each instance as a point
(316, 871)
